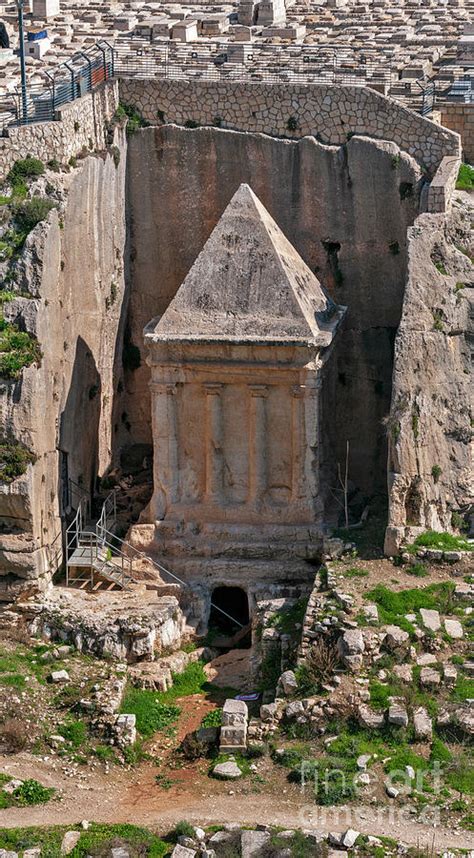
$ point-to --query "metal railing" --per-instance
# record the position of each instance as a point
(242, 62)
(101, 552)
(63, 85)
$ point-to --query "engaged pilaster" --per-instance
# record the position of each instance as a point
(214, 442)
(165, 436)
(257, 443)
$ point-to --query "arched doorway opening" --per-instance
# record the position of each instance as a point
(229, 617)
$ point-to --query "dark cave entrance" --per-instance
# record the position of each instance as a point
(229, 617)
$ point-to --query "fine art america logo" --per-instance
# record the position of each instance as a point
(328, 787)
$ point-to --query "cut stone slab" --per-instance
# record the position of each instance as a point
(454, 629)
(227, 771)
(398, 715)
(369, 718)
(58, 676)
(450, 674)
(69, 841)
(371, 613)
(183, 852)
(252, 842)
(430, 619)
(403, 672)
(395, 637)
(425, 659)
(422, 724)
(429, 677)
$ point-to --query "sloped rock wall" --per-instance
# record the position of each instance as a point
(72, 272)
(430, 426)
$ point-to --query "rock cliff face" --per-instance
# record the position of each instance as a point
(71, 273)
(430, 425)
(345, 209)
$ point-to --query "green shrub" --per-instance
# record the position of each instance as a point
(22, 170)
(465, 181)
(31, 792)
(212, 719)
(151, 715)
(14, 460)
(436, 472)
(442, 541)
(29, 213)
(135, 120)
(74, 732)
(18, 349)
(183, 829)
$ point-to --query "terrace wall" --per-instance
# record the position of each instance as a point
(332, 114)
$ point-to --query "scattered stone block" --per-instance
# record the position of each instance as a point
(450, 674)
(371, 613)
(227, 771)
(430, 678)
(252, 842)
(454, 629)
(294, 709)
(423, 724)
(395, 638)
(403, 672)
(58, 676)
(430, 619)
(392, 791)
(288, 682)
(233, 735)
(369, 718)
(183, 852)
(69, 841)
(425, 659)
(398, 715)
(349, 838)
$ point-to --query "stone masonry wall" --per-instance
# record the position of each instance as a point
(82, 124)
(331, 114)
(460, 118)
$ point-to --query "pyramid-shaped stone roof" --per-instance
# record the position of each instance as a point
(249, 284)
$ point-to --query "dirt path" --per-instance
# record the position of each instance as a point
(124, 797)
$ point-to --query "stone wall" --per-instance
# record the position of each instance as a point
(460, 118)
(330, 113)
(346, 211)
(71, 271)
(81, 125)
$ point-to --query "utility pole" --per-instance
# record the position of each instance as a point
(24, 107)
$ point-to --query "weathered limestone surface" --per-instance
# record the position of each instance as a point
(121, 626)
(332, 113)
(430, 462)
(342, 210)
(69, 266)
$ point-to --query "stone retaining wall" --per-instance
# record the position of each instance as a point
(330, 113)
(82, 124)
(460, 118)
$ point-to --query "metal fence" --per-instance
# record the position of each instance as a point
(244, 62)
(69, 81)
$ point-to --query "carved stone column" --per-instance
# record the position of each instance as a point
(165, 440)
(298, 451)
(312, 430)
(214, 442)
(257, 443)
